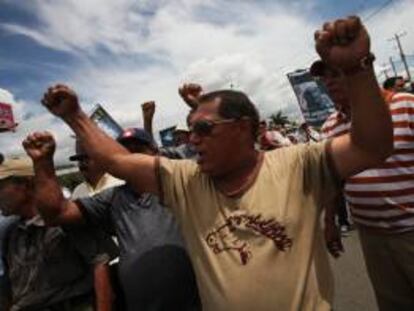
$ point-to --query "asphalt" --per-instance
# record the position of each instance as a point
(353, 291)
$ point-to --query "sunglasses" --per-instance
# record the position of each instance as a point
(205, 127)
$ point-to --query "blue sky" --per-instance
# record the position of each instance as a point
(122, 52)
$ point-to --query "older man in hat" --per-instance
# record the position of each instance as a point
(46, 267)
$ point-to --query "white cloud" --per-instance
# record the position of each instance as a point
(151, 47)
(11, 141)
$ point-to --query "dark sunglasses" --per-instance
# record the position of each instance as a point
(205, 127)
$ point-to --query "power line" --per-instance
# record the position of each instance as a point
(387, 3)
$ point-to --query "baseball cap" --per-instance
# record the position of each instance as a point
(16, 167)
(137, 134)
(78, 157)
(80, 153)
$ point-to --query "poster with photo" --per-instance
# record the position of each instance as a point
(6, 118)
(313, 99)
(167, 136)
(105, 122)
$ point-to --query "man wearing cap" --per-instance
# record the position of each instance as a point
(381, 199)
(250, 219)
(46, 267)
(182, 148)
(96, 180)
(154, 269)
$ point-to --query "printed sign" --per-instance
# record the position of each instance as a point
(167, 136)
(105, 122)
(314, 101)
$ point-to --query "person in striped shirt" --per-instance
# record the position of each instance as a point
(381, 199)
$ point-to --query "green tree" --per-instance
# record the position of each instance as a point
(279, 118)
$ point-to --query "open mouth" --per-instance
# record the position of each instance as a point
(200, 157)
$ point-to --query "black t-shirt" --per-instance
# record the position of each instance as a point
(154, 269)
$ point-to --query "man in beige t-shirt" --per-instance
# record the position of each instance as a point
(250, 219)
(260, 249)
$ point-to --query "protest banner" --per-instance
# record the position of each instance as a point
(314, 101)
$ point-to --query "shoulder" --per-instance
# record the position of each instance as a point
(182, 167)
(402, 97)
(335, 125)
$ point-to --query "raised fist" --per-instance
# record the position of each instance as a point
(148, 110)
(343, 43)
(190, 93)
(40, 145)
(61, 101)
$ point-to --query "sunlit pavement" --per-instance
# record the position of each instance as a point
(353, 291)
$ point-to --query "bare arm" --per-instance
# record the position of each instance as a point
(148, 111)
(370, 140)
(103, 287)
(136, 169)
(53, 207)
(342, 45)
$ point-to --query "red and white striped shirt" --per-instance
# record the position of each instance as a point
(383, 197)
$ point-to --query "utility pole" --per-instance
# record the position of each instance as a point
(385, 71)
(403, 59)
(393, 67)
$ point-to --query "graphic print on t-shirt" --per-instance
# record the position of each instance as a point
(224, 238)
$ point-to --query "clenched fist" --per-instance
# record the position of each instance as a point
(148, 110)
(190, 94)
(40, 145)
(343, 44)
(61, 101)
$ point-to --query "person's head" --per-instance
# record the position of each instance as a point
(335, 84)
(394, 84)
(181, 135)
(88, 167)
(17, 187)
(137, 140)
(223, 130)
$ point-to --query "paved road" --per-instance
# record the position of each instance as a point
(353, 291)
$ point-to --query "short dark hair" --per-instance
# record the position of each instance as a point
(389, 83)
(234, 105)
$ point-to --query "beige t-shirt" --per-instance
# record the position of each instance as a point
(264, 250)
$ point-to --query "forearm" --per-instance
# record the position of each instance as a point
(98, 145)
(103, 288)
(148, 126)
(371, 129)
(136, 169)
(49, 194)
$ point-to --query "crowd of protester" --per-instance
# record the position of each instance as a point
(238, 215)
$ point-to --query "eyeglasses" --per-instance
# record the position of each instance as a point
(205, 127)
